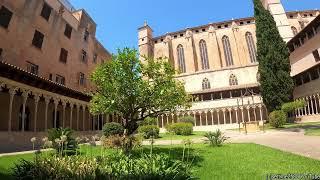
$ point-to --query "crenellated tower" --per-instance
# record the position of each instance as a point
(145, 34)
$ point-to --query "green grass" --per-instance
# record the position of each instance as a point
(231, 161)
(165, 136)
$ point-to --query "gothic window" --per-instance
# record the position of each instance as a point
(251, 47)
(233, 81)
(205, 84)
(227, 51)
(294, 30)
(181, 60)
(204, 55)
(5, 17)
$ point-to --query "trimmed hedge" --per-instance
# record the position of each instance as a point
(113, 128)
(180, 128)
(277, 118)
(187, 119)
(148, 131)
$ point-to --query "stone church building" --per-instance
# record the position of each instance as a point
(218, 65)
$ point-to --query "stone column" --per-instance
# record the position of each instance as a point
(254, 113)
(260, 108)
(206, 117)
(218, 115)
(195, 120)
(64, 105)
(308, 106)
(242, 117)
(237, 120)
(71, 108)
(172, 118)
(162, 123)
(12, 92)
(36, 102)
(224, 116)
(47, 101)
(315, 100)
(84, 117)
(248, 110)
(230, 117)
(167, 115)
(56, 102)
(78, 116)
(25, 95)
(211, 111)
(312, 108)
(200, 114)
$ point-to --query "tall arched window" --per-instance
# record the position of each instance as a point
(294, 30)
(227, 50)
(181, 60)
(251, 47)
(205, 84)
(233, 81)
(204, 55)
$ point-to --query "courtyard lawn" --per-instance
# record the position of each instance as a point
(231, 161)
(194, 135)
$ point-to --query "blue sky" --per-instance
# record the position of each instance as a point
(118, 20)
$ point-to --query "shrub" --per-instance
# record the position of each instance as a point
(187, 119)
(113, 128)
(115, 166)
(126, 143)
(216, 138)
(149, 121)
(277, 118)
(62, 140)
(180, 128)
(148, 131)
(291, 106)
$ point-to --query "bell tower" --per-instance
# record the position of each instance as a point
(280, 17)
(145, 40)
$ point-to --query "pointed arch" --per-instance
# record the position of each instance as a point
(227, 50)
(206, 84)
(251, 47)
(233, 81)
(204, 55)
(294, 30)
(181, 59)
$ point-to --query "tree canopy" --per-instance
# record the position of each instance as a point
(273, 56)
(136, 90)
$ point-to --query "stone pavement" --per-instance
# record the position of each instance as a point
(291, 141)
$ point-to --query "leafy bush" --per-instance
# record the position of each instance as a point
(180, 128)
(149, 121)
(126, 143)
(187, 119)
(291, 106)
(62, 140)
(216, 138)
(277, 118)
(113, 128)
(116, 166)
(148, 131)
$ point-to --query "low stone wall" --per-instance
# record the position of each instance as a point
(20, 141)
(310, 118)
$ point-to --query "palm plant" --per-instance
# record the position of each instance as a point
(216, 138)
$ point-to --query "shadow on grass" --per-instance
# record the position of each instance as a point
(301, 127)
(5, 174)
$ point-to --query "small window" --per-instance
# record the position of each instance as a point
(32, 68)
(197, 31)
(82, 79)
(241, 23)
(50, 77)
(311, 15)
(37, 39)
(203, 30)
(155, 42)
(291, 16)
(5, 17)
(84, 56)
(1, 52)
(181, 35)
(68, 31)
(205, 84)
(219, 27)
(63, 55)
(248, 22)
(316, 55)
(95, 57)
(60, 79)
(233, 81)
(305, 15)
(46, 11)
(226, 25)
(175, 36)
(86, 35)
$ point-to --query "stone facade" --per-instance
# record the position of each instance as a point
(223, 71)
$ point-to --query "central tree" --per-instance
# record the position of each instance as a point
(135, 90)
(273, 56)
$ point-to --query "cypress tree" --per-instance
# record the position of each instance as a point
(276, 85)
